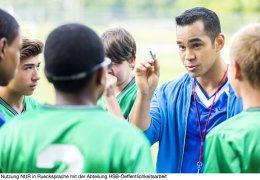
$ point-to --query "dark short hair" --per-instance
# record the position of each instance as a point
(119, 45)
(9, 27)
(71, 49)
(30, 48)
(208, 17)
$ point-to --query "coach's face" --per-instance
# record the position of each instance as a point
(26, 79)
(9, 59)
(197, 51)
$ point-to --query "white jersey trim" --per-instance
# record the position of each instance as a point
(207, 102)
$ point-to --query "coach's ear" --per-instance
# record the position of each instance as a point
(220, 42)
(3, 43)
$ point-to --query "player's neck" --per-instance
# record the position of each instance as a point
(120, 87)
(250, 96)
(210, 80)
(13, 98)
(68, 99)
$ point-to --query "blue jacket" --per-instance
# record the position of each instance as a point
(169, 114)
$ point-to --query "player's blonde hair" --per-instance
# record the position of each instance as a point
(245, 50)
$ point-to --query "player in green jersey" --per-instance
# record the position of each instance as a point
(120, 91)
(233, 146)
(14, 98)
(10, 44)
(73, 136)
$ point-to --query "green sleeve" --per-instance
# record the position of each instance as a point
(220, 155)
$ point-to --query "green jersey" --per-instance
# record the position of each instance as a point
(125, 99)
(233, 146)
(72, 139)
(29, 104)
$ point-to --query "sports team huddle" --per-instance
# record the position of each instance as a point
(109, 110)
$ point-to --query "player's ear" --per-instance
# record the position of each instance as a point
(237, 68)
(132, 63)
(101, 77)
(3, 44)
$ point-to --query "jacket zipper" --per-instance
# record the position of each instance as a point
(184, 140)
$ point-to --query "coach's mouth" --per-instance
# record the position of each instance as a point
(192, 67)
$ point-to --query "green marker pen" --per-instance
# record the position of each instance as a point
(152, 55)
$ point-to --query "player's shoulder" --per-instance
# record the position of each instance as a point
(123, 128)
(228, 128)
(31, 100)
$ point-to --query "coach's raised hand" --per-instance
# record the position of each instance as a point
(147, 76)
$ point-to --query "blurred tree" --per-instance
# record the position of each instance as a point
(62, 10)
